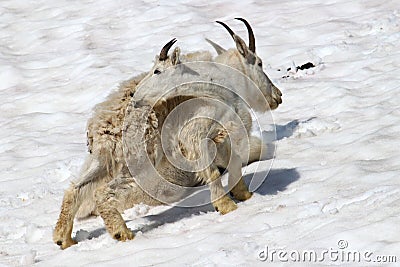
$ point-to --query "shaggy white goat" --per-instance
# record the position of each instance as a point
(106, 159)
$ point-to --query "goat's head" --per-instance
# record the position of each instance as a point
(245, 59)
(164, 61)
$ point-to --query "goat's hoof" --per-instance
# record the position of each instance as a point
(242, 195)
(224, 205)
(124, 235)
(66, 243)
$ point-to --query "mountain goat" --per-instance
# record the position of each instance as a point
(104, 140)
(238, 69)
(106, 184)
(189, 83)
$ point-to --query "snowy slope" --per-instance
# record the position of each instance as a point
(336, 172)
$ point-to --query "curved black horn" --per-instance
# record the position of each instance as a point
(252, 40)
(227, 28)
(165, 49)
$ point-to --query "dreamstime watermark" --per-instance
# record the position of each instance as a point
(200, 102)
(339, 254)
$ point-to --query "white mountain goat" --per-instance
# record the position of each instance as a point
(106, 183)
(245, 72)
(104, 139)
(241, 60)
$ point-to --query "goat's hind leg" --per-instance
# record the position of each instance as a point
(70, 205)
(113, 198)
(91, 175)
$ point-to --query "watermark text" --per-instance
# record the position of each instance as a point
(341, 253)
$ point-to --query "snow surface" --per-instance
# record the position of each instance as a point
(336, 172)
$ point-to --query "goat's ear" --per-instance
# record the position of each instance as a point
(241, 46)
(244, 50)
(175, 57)
(216, 46)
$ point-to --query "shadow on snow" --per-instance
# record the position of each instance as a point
(276, 181)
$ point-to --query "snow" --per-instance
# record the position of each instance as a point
(335, 175)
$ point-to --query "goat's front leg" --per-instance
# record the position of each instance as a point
(260, 149)
(116, 196)
(238, 187)
(240, 190)
(220, 200)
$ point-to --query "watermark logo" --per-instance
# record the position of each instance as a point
(339, 254)
(204, 104)
(342, 244)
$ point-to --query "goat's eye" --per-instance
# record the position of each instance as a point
(156, 71)
(259, 64)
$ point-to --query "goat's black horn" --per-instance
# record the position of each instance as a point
(165, 49)
(227, 28)
(252, 40)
